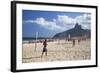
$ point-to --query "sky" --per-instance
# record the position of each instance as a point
(49, 23)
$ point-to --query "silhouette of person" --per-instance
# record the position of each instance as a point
(79, 40)
(44, 48)
(73, 42)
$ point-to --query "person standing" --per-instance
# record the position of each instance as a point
(79, 40)
(44, 48)
(73, 42)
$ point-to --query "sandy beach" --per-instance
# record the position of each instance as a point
(57, 51)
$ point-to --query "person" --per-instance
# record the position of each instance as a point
(44, 48)
(73, 42)
(79, 40)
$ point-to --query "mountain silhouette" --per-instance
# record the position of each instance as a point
(77, 31)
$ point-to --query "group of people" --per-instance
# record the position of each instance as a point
(45, 46)
(79, 40)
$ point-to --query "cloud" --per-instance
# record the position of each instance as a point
(47, 24)
(63, 22)
(44, 23)
(84, 20)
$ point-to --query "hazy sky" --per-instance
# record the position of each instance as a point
(48, 23)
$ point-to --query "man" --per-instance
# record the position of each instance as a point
(44, 48)
(79, 40)
(73, 42)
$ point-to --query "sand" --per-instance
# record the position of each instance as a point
(57, 51)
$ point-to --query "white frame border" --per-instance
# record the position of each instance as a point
(21, 66)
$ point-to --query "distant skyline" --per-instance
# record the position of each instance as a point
(48, 23)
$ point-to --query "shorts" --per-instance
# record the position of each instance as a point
(44, 49)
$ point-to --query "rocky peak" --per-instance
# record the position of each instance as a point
(77, 26)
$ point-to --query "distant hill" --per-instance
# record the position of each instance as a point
(77, 31)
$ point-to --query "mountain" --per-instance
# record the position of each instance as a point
(77, 31)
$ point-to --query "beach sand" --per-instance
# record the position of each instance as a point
(57, 51)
